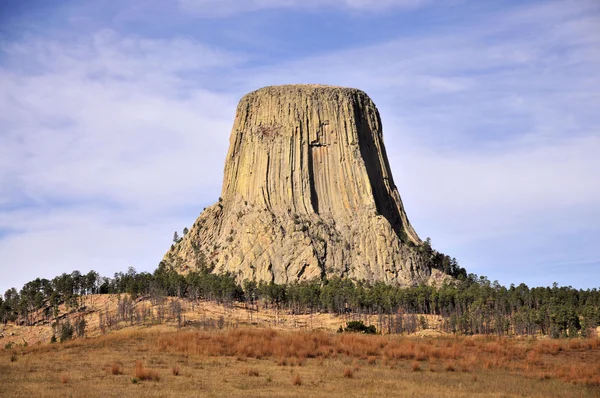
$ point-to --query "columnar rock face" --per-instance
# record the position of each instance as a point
(307, 193)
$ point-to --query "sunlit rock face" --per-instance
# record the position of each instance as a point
(307, 193)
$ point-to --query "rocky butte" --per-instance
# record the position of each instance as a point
(307, 193)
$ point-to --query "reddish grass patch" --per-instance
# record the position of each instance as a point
(533, 359)
(576, 345)
(549, 347)
(348, 373)
(467, 354)
(297, 380)
(252, 372)
(142, 373)
(116, 369)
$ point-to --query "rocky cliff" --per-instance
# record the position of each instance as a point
(307, 193)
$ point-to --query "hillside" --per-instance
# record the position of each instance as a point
(180, 347)
(104, 313)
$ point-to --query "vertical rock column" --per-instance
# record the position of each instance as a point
(307, 193)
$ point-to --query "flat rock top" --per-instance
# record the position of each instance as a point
(307, 194)
(304, 89)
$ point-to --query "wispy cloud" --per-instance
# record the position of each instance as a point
(109, 141)
(57, 240)
(96, 115)
(220, 8)
(106, 136)
(491, 128)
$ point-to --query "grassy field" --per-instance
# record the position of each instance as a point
(158, 361)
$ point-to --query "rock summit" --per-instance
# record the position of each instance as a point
(307, 193)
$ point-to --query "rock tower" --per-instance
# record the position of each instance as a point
(307, 193)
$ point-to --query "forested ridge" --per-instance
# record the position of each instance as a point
(470, 305)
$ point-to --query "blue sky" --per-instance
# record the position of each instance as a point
(115, 119)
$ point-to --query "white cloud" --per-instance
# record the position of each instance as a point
(491, 129)
(109, 142)
(482, 194)
(220, 8)
(109, 118)
(80, 238)
(107, 145)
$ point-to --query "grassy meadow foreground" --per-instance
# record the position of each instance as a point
(161, 361)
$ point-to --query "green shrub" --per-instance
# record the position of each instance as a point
(358, 327)
(66, 331)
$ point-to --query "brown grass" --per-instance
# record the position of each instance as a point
(116, 369)
(252, 372)
(297, 380)
(533, 359)
(282, 361)
(142, 373)
(356, 365)
(575, 344)
(64, 378)
(348, 373)
(212, 362)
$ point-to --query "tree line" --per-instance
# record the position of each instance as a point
(469, 305)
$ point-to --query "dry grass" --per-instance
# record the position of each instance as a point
(250, 362)
(449, 367)
(252, 372)
(116, 369)
(348, 373)
(297, 380)
(142, 373)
